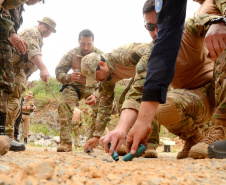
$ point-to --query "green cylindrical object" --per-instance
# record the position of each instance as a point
(115, 155)
(88, 150)
(129, 156)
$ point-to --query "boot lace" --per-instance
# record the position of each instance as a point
(213, 134)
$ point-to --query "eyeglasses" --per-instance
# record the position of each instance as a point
(150, 27)
(101, 59)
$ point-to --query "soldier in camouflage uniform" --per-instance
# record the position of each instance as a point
(6, 71)
(74, 88)
(125, 62)
(185, 108)
(25, 65)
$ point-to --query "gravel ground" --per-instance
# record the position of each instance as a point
(43, 166)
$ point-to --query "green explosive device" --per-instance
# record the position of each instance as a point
(115, 154)
(129, 156)
(88, 150)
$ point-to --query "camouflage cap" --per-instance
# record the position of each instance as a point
(29, 93)
(88, 67)
(50, 22)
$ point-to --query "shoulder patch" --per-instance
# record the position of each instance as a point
(158, 5)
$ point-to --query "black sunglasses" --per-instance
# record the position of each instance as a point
(101, 59)
(150, 27)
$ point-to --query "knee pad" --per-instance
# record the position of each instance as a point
(167, 114)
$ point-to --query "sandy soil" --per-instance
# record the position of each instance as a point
(43, 166)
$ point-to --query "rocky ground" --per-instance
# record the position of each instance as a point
(44, 166)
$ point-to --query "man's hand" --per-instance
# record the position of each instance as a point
(20, 44)
(142, 128)
(216, 39)
(30, 107)
(116, 138)
(91, 100)
(75, 75)
(44, 75)
(137, 135)
(90, 144)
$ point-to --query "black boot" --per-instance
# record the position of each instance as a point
(217, 149)
(15, 146)
(25, 141)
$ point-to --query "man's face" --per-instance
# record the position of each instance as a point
(103, 73)
(86, 44)
(28, 97)
(32, 2)
(150, 18)
(45, 30)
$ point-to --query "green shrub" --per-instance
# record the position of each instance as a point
(43, 128)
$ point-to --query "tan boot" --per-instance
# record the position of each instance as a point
(64, 147)
(5, 144)
(150, 153)
(200, 150)
(189, 143)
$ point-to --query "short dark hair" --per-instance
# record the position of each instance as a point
(149, 6)
(86, 33)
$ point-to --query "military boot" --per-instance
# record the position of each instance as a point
(200, 150)
(64, 147)
(150, 153)
(189, 143)
(15, 146)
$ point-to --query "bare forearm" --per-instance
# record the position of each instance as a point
(127, 119)
(37, 60)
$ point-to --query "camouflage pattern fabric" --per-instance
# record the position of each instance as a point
(134, 55)
(23, 68)
(69, 96)
(219, 116)
(14, 102)
(11, 4)
(192, 110)
(6, 75)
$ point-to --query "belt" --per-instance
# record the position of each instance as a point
(26, 113)
(74, 87)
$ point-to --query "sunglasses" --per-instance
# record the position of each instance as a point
(101, 59)
(150, 27)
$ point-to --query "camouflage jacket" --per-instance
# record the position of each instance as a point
(16, 17)
(66, 64)
(198, 25)
(125, 62)
(35, 42)
(11, 4)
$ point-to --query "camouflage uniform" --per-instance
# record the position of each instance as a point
(6, 76)
(125, 62)
(23, 68)
(199, 26)
(192, 102)
(69, 97)
(26, 117)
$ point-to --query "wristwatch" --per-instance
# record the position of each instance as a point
(218, 20)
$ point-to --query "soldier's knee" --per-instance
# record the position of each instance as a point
(167, 114)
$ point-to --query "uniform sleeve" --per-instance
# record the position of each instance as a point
(221, 5)
(82, 118)
(106, 98)
(162, 61)
(63, 67)
(33, 43)
(11, 4)
(198, 25)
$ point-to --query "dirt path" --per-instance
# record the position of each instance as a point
(43, 166)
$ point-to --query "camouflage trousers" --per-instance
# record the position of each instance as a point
(185, 110)
(68, 101)
(14, 103)
(153, 139)
(6, 75)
